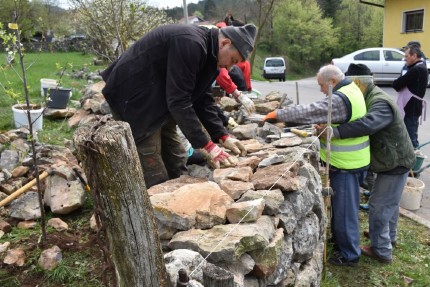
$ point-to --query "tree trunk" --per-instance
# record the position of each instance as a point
(214, 276)
(110, 161)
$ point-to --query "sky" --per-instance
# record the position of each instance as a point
(170, 3)
(157, 3)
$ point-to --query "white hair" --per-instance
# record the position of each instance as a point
(330, 72)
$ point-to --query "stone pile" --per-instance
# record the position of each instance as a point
(263, 220)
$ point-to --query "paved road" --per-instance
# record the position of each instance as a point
(307, 90)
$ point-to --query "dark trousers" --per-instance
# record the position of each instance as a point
(162, 155)
(345, 202)
(411, 123)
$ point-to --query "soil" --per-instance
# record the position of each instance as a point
(78, 242)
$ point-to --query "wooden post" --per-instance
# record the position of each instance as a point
(109, 157)
(214, 276)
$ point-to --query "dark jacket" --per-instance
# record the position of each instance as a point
(415, 79)
(167, 74)
(391, 149)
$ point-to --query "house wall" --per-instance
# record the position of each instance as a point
(393, 21)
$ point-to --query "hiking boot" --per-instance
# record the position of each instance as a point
(367, 235)
(367, 251)
(338, 260)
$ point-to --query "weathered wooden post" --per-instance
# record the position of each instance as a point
(111, 163)
(214, 276)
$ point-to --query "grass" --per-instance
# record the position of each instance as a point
(411, 260)
(42, 65)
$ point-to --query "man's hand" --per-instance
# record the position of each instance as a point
(270, 117)
(246, 102)
(233, 144)
(321, 131)
(215, 157)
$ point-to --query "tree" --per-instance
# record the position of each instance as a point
(301, 32)
(329, 7)
(359, 25)
(115, 24)
(263, 12)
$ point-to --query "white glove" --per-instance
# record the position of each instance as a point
(246, 102)
(232, 123)
(233, 144)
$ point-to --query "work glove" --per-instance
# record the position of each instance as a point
(233, 144)
(216, 157)
(246, 102)
(232, 123)
(270, 117)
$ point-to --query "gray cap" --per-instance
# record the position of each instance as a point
(242, 38)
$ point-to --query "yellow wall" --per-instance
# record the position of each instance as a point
(393, 36)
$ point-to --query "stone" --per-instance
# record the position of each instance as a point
(273, 199)
(235, 188)
(252, 145)
(50, 258)
(241, 238)
(273, 96)
(286, 267)
(204, 171)
(266, 107)
(93, 223)
(58, 224)
(184, 259)
(15, 257)
(245, 211)
(63, 196)
(9, 159)
(228, 104)
(5, 226)
(287, 142)
(267, 259)
(174, 184)
(4, 246)
(251, 161)
(233, 173)
(305, 238)
(77, 117)
(244, 132)
(271, 160)
(198, 205)
(59, 113)
(20, 171)
(26, 224)
(282, 176)
(239, 268)
(4, 138)
(25, 207)
(268, 129)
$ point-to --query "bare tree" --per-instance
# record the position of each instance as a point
(115, 24)
(264, 9)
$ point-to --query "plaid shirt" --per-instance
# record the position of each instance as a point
(316, 113)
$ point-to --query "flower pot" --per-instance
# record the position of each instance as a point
(58, 98)
(46, 84)
(20, 116)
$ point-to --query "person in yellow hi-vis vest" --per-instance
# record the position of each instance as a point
(349, 161)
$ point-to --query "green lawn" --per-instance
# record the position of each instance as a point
(38, 66)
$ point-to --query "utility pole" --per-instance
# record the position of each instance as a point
(186, 12)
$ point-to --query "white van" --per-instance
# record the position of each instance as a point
(274, 68)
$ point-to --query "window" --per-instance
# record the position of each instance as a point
(413, 21)
(367, 56)
(393, 56)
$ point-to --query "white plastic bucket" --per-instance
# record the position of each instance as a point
(20, 116)
(47, 84)
(412, 193)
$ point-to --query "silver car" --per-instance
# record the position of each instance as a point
(385, 63)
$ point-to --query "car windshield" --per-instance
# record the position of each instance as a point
(274, 63)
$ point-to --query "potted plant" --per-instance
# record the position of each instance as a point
(58, 98)
(20, 116)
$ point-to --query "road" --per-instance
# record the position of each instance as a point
(307, 90)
